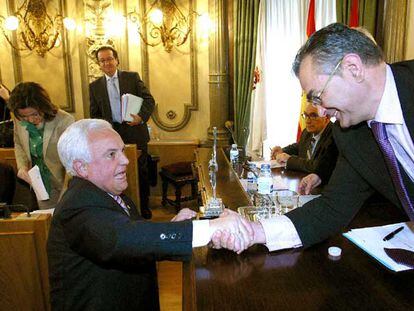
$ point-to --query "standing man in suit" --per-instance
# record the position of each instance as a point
(316, 144)
(101, 253)
(345, 75)
(105, 103)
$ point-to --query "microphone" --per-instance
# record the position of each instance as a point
(229, 126)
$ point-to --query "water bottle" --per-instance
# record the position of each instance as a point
(251, 178)
(265, 181)
(264, 190)
(234, 155)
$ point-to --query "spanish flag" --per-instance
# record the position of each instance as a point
(354, 16)
(310, 29)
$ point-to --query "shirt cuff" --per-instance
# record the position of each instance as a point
(201, 232)
(280, 233)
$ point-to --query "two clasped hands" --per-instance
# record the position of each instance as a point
(230, 230)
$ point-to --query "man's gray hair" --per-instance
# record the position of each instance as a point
(330, 44)
(73, 144)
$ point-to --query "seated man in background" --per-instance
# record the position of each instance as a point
(101, 253)
(315, 145)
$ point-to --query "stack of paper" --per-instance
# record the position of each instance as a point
(37, 184)
(371, 241)
(130, 104)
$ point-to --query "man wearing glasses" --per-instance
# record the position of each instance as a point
(316, 144)
(105, 103)
(345, 75)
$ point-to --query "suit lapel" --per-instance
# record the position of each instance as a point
(122, 82)
(47, 133)
(363, 153)
(107, 105)
(24, 138)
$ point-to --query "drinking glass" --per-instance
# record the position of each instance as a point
(286, 200)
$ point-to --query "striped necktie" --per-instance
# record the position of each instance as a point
(121, 202)
(311, 148)
(380, 134)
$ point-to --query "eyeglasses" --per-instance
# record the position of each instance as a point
(106, 60)
(316, 100)
(29, 117)
(312, 116)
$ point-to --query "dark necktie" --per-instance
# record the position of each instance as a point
(311, 147)
(381, 136)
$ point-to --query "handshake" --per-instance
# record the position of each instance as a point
(230, 230)
(234, 232)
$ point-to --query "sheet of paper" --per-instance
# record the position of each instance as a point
(130, 104)
(371, 241)
(44, 211)
(279, 184)
(37, 184)
(303, 199)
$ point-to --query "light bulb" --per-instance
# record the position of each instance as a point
(69, 23)
(11, 23)
(156, 17)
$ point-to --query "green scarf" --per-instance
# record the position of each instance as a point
(36, 152)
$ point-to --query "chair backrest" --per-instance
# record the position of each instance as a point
(132, 153)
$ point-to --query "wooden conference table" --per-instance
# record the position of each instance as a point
(291, 279)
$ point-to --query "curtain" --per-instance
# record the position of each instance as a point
(245, 20)
(367, 13)
(394, 30)
(258, 120)
(386, 20)
(283, 32)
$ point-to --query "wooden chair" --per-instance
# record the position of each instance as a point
(178, 174)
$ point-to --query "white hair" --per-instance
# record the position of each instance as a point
(73, 144)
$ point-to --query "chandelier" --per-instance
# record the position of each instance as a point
(164, 22)
(34, 28)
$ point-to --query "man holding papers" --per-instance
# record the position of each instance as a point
(105, 96)
(345, 75)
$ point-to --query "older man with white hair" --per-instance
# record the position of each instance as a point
(101, 253)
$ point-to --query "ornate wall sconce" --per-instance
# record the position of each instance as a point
(35, 29)
(164, 22)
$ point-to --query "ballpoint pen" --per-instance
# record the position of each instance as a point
(390, 235)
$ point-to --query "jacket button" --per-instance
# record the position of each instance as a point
(173, 236)
(179, 236)
(162, 236)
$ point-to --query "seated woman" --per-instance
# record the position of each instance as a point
(38, 126)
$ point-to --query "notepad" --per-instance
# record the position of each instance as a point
(130, 104)
(371, 241)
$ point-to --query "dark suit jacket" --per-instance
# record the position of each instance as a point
(100, 108)
(360, 170)
(325, 151)
(102, 259)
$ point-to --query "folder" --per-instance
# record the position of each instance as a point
(130, 104)
(371, 240)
